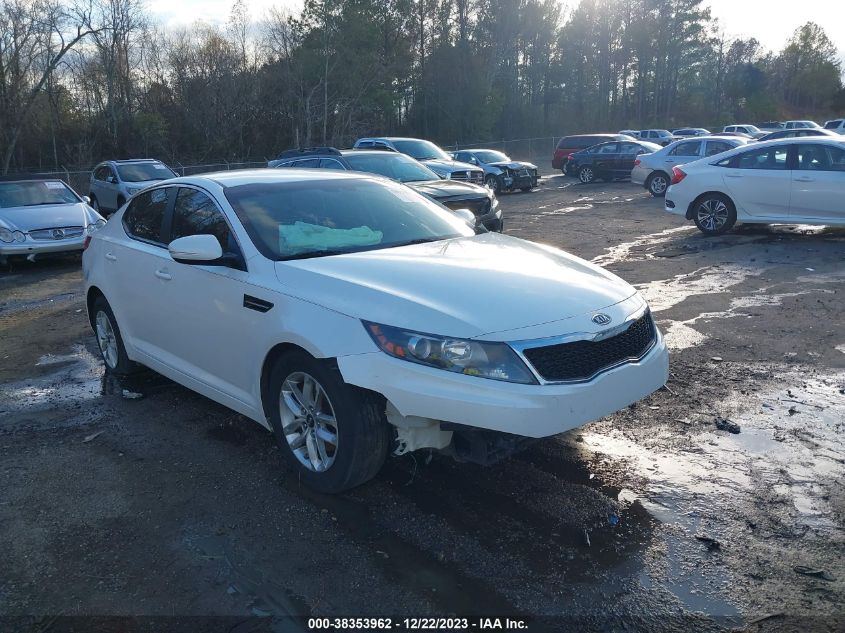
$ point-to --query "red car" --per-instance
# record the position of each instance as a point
(571, 144)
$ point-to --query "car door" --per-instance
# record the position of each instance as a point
(684, 152)
(759, 181)
(628, 153)
(207, 317)
(818, 182)
(605, 158)
(139, 265)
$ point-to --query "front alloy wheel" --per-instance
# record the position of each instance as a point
(308, 421)
(586, 175)
(714, 214)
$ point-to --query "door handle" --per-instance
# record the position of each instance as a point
(111, 257)
(163, 274)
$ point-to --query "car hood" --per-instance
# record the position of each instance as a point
(438, 189)
(439, 165)
(48, 217)
(514, 164)
(463, 287)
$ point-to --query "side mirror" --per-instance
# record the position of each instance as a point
(112, 180)
(195, 249)
(86, 199)
(466, 215)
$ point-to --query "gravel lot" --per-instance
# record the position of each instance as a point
(648, 520)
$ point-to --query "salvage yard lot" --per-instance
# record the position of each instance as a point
(143, 498)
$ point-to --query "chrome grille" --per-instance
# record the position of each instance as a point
(57, 233)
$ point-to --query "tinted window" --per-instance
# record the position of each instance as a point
(196, 214)
(101, 173)
(145, 214)
(630, 148)
(330, 163)
(307, 163)
(689, 148)
(763, 158)
(832, 125)
(140, 172)
(716, 147)
(609, 148)
(396, 166)
(821, 158)
(419, 149)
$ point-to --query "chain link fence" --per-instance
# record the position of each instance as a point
(79, 181)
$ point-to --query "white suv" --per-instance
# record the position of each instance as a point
(355, 317)
(836, 125)
(113, 182)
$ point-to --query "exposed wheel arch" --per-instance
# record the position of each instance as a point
(267, 367)
(94, 293)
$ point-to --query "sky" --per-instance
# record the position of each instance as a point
(770, 21)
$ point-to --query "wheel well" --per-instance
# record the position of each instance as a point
(93, 294)
(267, 367)
(655, 173)
(691, 208)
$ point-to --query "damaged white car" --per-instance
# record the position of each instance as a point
(357, 318)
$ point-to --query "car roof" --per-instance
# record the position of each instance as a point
(250, 176)
(133, 160)
(480, 149)
(368, 152)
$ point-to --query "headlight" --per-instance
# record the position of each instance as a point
(19, 236)
(96, 226)
(496, 361)
(6, 235)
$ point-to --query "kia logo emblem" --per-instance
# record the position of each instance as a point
(601, 319)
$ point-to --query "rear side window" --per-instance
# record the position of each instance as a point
(763, 158)
(691, 148)
(143, 219)
(196, 214)
(716, 147)
(821, 158)
(330, 163)
(609, 148)
(832, 125)
(308, 163)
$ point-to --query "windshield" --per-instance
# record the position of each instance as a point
(421, 150)
(832, 125)
(396, 166)
(314, 218)
(34, 194)
(491, 156)
(140, 172)
(752, 128)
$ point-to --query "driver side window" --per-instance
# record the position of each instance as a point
(196, 214)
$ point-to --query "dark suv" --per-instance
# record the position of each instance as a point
(571, 144)
(453, 194)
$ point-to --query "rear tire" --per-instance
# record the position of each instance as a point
(334, 435)
(586, 175)
(714, 214)
(657, 184)
(109, 340)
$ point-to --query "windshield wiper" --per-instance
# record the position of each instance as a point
(43, 204)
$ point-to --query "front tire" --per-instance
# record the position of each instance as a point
(714, 214)
(109, 339)
(586, 175)
(492, 183)
(334, 435)
(657, 184)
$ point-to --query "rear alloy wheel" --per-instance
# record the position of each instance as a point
(335, 435)
(714, 214)
(586, 175)
(658, 183)
(491, 181)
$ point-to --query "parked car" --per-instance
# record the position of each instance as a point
(792, 125)
(454, 194)
(427, 153)
(661, 137)
(570, 144)
(355, 317)
(770, 126)
(690, 131)
(631, 133)
(501, 172)
(653, 171)
(787, 181)
(607, 161)
(751, 130)
(113, 182)
(41, 216)
(738, 135)
(798, 133)
(835, 125)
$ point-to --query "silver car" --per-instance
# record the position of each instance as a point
(113, 182)
(428, 154)
(39, 216)
(654, 171)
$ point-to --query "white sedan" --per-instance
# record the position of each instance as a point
(355, 317)
(785, 181)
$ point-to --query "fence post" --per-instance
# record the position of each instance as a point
(227, 165)
(181, 167)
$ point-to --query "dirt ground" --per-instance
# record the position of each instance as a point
(652, 519)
